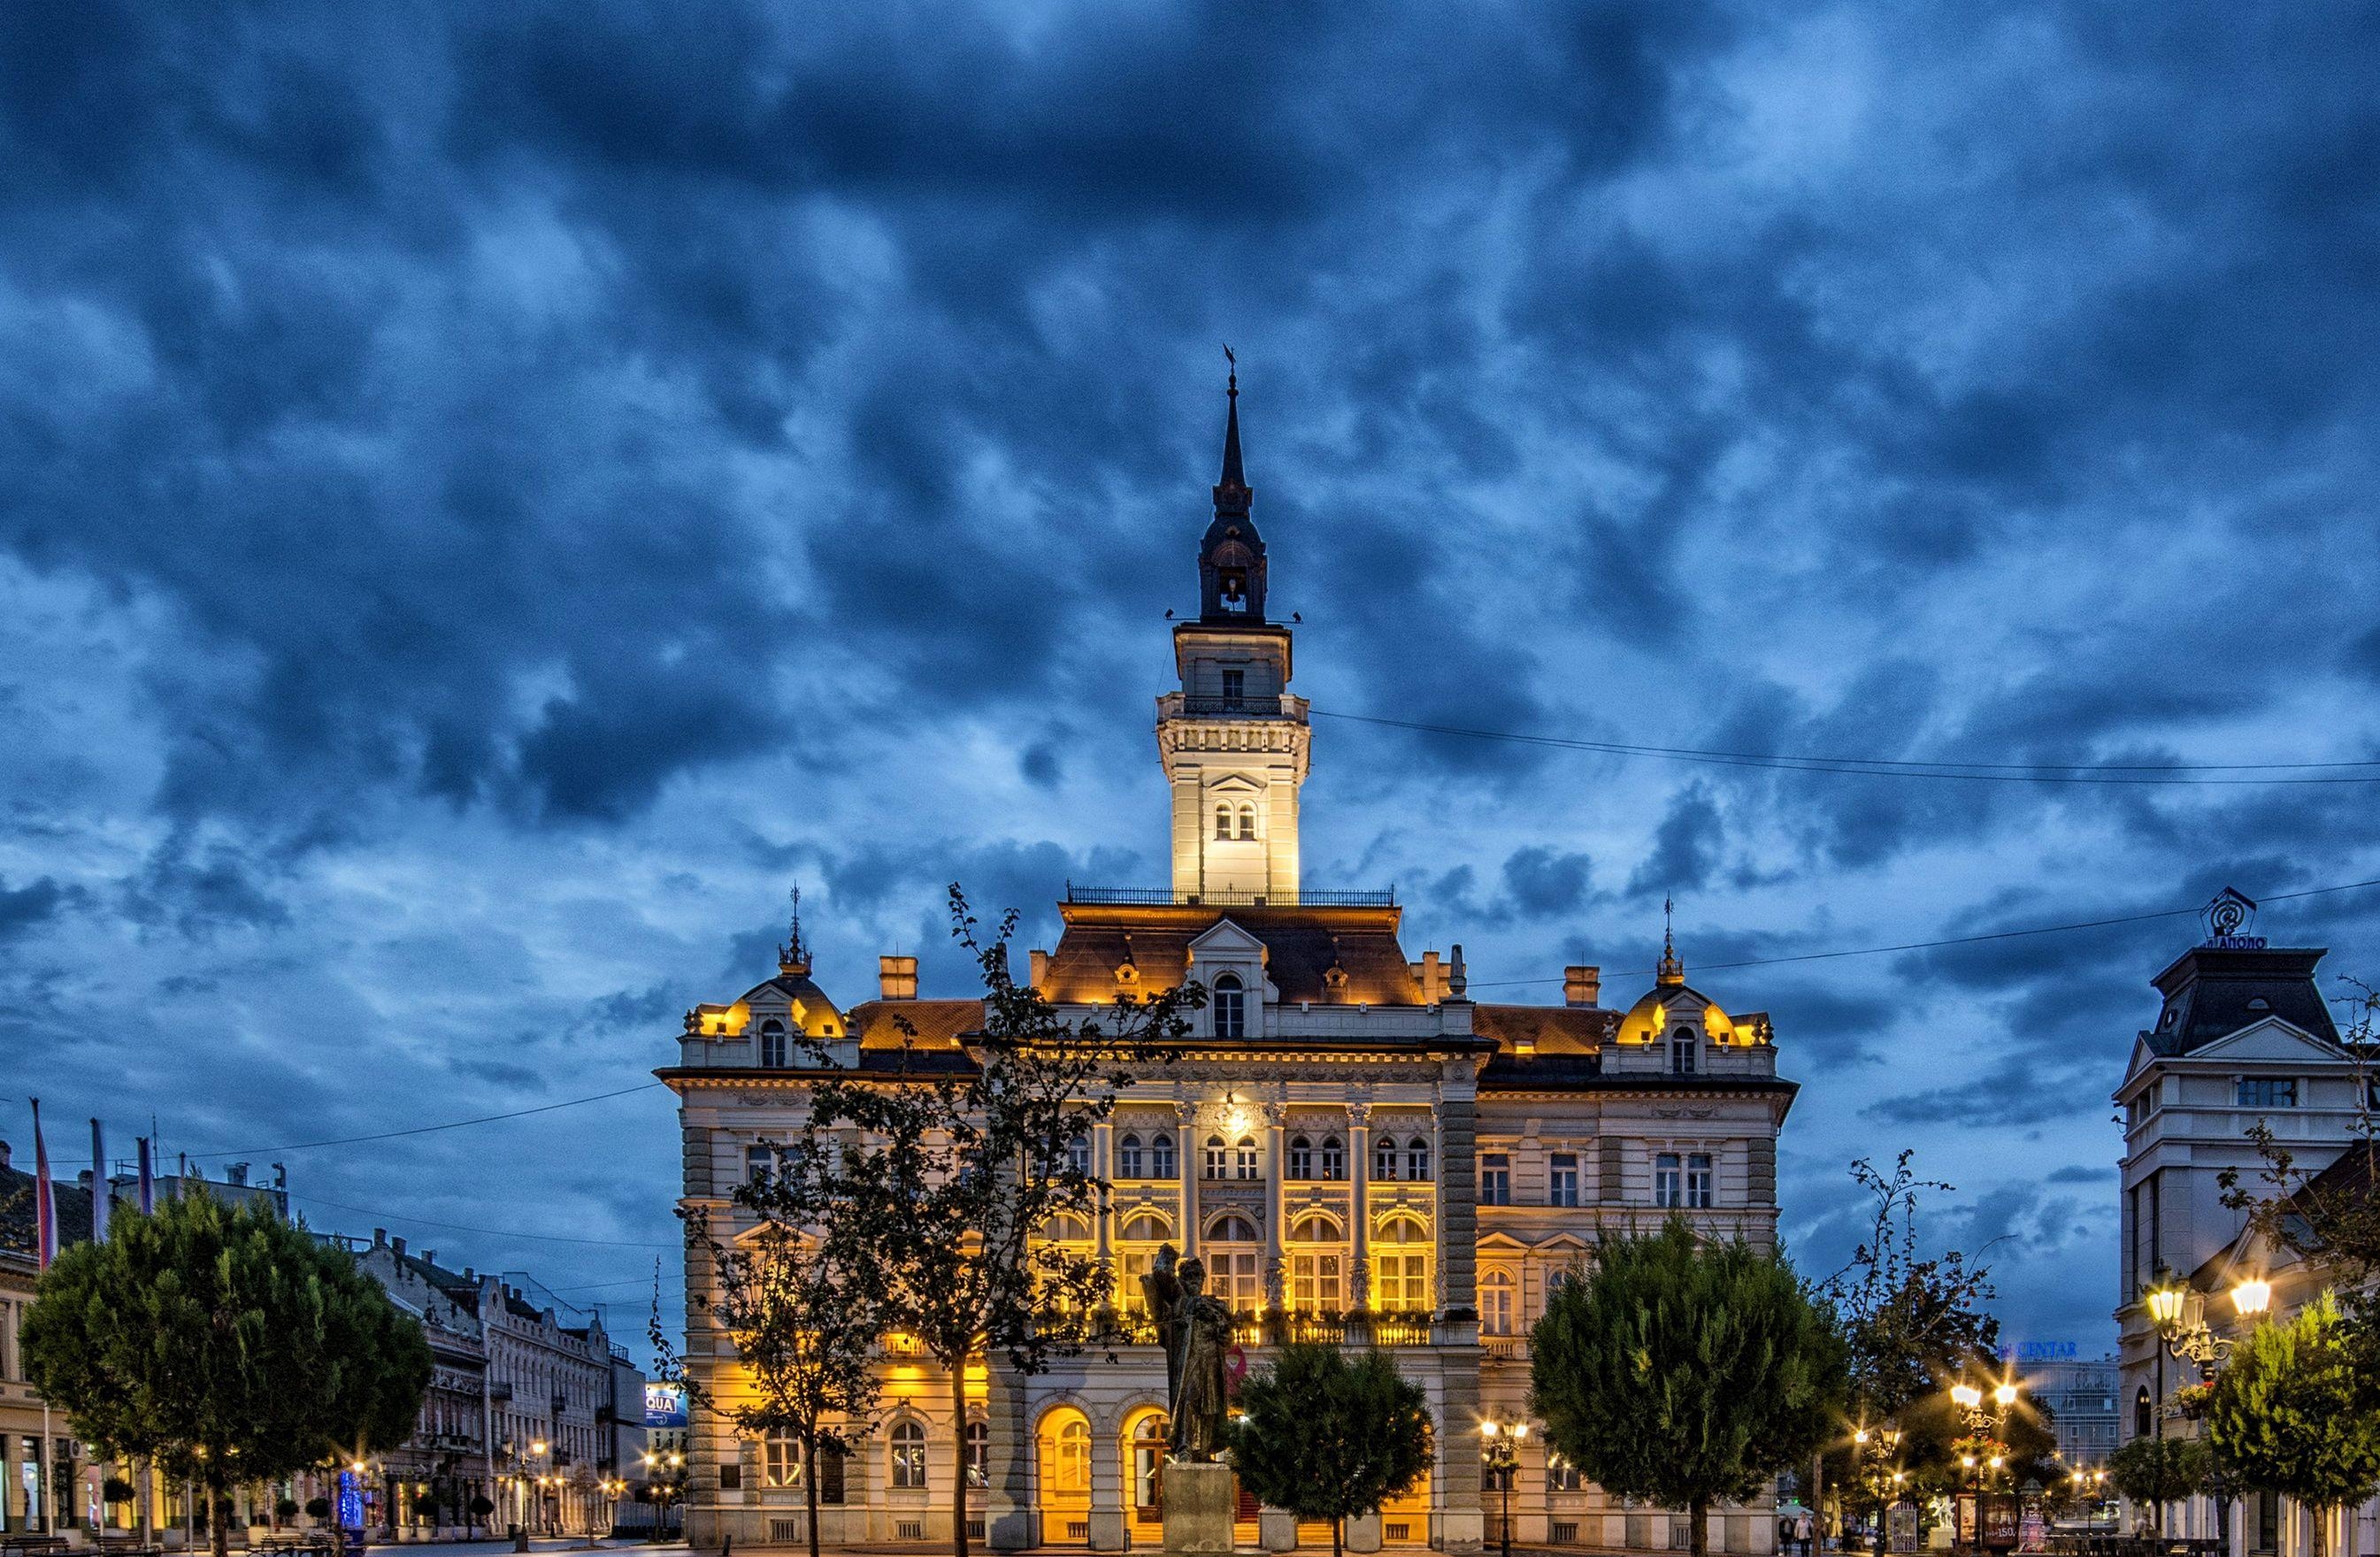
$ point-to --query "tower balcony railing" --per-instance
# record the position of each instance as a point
(1193, 705)
(1161, 897)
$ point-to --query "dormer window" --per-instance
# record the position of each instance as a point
(776, 1050)
(2260, 1003)
(1685, 1046)
(1231, 1007)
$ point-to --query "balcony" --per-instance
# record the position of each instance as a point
(1186, 705)
(1274, 1329)
(1162, 897)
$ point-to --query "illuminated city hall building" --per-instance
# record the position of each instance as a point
(1354, 1145)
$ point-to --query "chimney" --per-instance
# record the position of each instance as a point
(380, 1238)
(898, 976)
(1041, 974)
(1432, 981)
(1581, 985)
(236, 1174)
(430, 1257)
(396, 1246)
(83, 1181)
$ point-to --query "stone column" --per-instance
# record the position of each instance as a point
(1188, 1163)
(1459, 1469)
(1108, 1533)
(1008, 1502)
(1359, 1175)
(1276, 1116)
(1103, 1220)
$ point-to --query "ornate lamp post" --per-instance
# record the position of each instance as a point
(2179, 1311)
(1981, 1420)
(1503, 1456)
(1875, 1449)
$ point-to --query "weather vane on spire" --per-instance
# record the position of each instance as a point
(1234, 386)
(1670, 971)
(794, 958)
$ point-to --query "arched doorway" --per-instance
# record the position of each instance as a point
(1062, 1459)
(1145, 1435)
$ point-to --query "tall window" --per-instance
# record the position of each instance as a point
(908, 1457)
(1686, 1047)
(1235, 686)
(1222, 821)
(1384, 1158)
(1160, 1158)
(1247, 822)
(781, 1459)
(1418, 1159)
(1667, 1190)
(2268, 1091)
(1231, 1007)
(1149, 1449)
(1232, 1258)
(1496, 1303)
(1561, 1474)
(1495, 1178)
(1078, 1154)
(776, 1052)
(1561, 1179)
(1074, 1456)
(1317, 1274)
(1217, 1158)
(1698, 1181)
(979, 1448)
(830, 1474)
(1301, 1157)
(1129, 1161)
(1244, 1158)
(1334, 1158)
(1400, 1266)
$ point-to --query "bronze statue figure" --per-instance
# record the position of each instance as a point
(1162, 1293)
(1200, 1395)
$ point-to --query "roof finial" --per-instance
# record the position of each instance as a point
(794, 957)
(1670, 971)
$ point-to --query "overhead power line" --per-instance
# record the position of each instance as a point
(431, 1129)
(2182, 773)
(408, 1219)
(1947, 941)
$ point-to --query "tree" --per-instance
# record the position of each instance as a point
(2152, 1471)
(799, 1318)
(224, 1343)
(1329, 1437)
(2294, 1412)
(1908, 1322)
(1685, 1372)
(938, 1188)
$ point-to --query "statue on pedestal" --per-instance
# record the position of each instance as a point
(1198, 1395)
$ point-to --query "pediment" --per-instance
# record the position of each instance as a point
(1503, 1243)
(2270, 1041)
(1235, 784)
(1225, 941)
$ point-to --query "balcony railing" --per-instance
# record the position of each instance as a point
(1200, 705)
(1160, 898)
(1272, 1329)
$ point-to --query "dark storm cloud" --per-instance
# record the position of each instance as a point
(496, 496)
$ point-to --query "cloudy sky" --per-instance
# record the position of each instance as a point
(495, 496)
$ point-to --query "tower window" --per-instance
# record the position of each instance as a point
(1231, 1007)
(774, 1053)
(1247, 822)
(1235, 686)
(1683, 1051)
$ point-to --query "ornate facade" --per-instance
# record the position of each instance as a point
(1355, 1148)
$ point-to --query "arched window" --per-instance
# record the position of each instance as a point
(1316, 1227)
(1149, 1450)
(776, 1052)
(1146, 1228)
(1247, 822)
(1244, 1158)
(2143, 1414)
(1384, 1158)
(1074, 1456)
(1066, 1229)
(1129, 1162)
(1401, 1267)
(1078, 1154)
(1418, 1159)
(1231, 1229)
(1160, 1158)
(1231, 1007)
(1219, 1158)
(908, 1456)
(1496, 1303)
(1230, 1255)
(1301, 1157)
(979, 1448)
(1686, 1047)
(1334, 1158)
(1223, 821)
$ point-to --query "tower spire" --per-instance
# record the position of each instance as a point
(794, 957)
(1232, 491)
(1671, 970)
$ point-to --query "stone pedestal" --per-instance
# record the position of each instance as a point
(1200, 1501)
(1277, 1529)
(1364, 1533)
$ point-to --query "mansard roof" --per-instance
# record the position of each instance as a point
(1302, 945)
(1547, 1030)
(2213, 991)
(933, 1024)
(73, 1202)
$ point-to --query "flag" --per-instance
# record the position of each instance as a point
(45, 1198)
(100, 1192)
(148, 1180)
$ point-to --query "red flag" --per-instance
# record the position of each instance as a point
(46, 1199)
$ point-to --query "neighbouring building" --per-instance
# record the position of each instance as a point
(2243, 1038)
(1352, 1144)
(2081, 1398)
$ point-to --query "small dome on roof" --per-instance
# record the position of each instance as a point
(1666, 1006)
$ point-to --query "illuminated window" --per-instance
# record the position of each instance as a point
(1495, 1178)
(1315, 1282)
(979, 1454)
(1074, 1456)
(1222, 821)
(1129, 1161)
(1247, 822)
(1231, 1257)
(1384, 1160)
(1160, 1157)
(1065, 1229)
(1244, 1158)
(1561, 1474)
(1418, 1159)
(1686, 1045)
(1231, 1007)
(1316, 1227)
(781, 1459)
(1078, 1154)
(1496, 1303)
(1667, 1190)
(1217, 1158)
(908, 1457)
(777, 1052)
(1145, 1228)
(1334, 1158)
(1561, 1179)
(1698, 1181)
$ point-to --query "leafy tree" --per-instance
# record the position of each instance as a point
(2153, 1471)
(2294, 1411)
(225, 1344)
(1684, 1372)
(1908, 1322)
(1329, 1437)
(798, 1315)
(937, 1187)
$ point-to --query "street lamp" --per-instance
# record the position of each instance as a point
(1503, 1458)
(1981, 1420)
(2179, 1311)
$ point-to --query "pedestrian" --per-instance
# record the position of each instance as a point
(1806, 1529)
